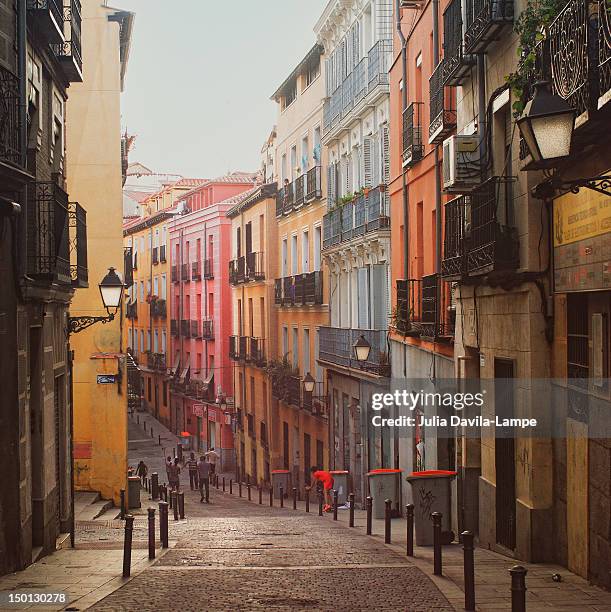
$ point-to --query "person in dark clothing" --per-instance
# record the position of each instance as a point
(174, 475)
(142, 470)
(203, 473)
(192, 465)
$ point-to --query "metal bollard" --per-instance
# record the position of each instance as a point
(231, 486)
(282, 497)
(437, 569)
(174, 496)
(240, 488)
(468, 570)
(151, 513)
(369, 508)
(171, 499)
(181, 504)
(307, 499)
(155, 485)
(127, 545)
(387, 511)
(138, 419)
(144, 423)
(163, 524)
(260, 495)
(122, 494)
(294, 498)
(248, 491)
(319, 504)
(351, 515)
(335, 504)
(152, 436)
(223, 484)
(159, 439)
(518, 588)
(409, 513)
(271, 496)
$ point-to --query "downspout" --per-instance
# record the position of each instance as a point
(438, 210)
(481, 108)
(20, 225)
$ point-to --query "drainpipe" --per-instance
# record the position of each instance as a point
(481, 106)
(438, 210)
(22, 36)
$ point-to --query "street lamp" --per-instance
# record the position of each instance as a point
(111, 290)
(362, 348)
(308, 383)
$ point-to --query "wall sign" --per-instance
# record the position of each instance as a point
(107, 379)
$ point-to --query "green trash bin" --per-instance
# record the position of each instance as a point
(384, 484)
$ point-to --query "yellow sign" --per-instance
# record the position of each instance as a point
(578, 216)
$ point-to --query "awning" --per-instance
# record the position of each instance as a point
(209, 380)
(174, 371)
(186, 375)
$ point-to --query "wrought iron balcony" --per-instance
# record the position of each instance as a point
(185, 328)
(413, 148)
(293, 391)
(378, 63)
(278, 292)
(313, 184)
(237, 270)
(174, 274)
(195, 329)
(313, 288)
(69, 52)
(196, 271)
(254, 267)
(285, 199)
(484, 20)
(256, 351)
(315, 402)
(10, 138)
(156, 361)
(453, 262)
(174, 327)
(299, 290)
(162, 255)
(78, 246)
(456, 65)
(336, 349)
(243, 347)
(159, 309)
(208, 329)
(184, 272)
(48, 15)
(299, 188)
(234, 348)
(442, 107)
(208, 269)
(155, 255)
(48, 233)
(132, 310)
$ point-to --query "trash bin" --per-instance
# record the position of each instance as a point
(185, 440)
(281, 478)
(133, 492)
(432, 492)
(342, 483)
(384, 484)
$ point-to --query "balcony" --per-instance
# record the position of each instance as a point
(10, 140)
(336, 349)
(159, 309)
(378, 63)
(299, 188)
(78, 245)
(313, 184)
(155, 256)
(285, 200)
(254, 267)
(69, 52)
(48, 15)
(162, 255)
(48, 232)
(156, 361)
(484, 21)
(184, 272)
(256, 351)
(185, 328)
(456, 65)
(453, 262)
(250, 425)
(243, 347)
(195, 330)
(237, 271)
(424, 308)
(174, 328)
(234, 348)
(299, 290)
(315, 402)
(174, 274)
(131, 311)
(196, 271)
(208, 269)
(412, 134)
(442, 107)
(208, 329)
(367, 212)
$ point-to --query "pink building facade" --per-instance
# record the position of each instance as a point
(201, 315)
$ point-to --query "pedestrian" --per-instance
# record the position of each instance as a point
(203, 473)
(142, 470)
(212, 457)
(192, 465)
(174, 475)
(168, 465)
(326, 479)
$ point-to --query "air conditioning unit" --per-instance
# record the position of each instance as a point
(461, 164)
(413, 4)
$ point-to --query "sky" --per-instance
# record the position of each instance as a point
(200, 76)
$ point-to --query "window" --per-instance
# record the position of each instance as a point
(285, 265)
(306, 352)
(305, 252)
(156, 285)
(285, 341)
(317, 147)
(165, 393)
(148, 340)
(294, 254)
(317, 246)
(293, 168)
(290, 93)
(163, 341)
(148, 287)
(283, 167)
(163, 287)
(156, 244)
(142, 348)
(312, 71)
(130, 338)
(57, 133)
(305, 154)
(142, 290)
(295, 347)
(156, 342)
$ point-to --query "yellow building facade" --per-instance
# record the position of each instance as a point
(94, 174)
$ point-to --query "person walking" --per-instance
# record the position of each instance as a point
(142, 470)
(212, 456)
(174, 475)
(192, 465)
(203, 474)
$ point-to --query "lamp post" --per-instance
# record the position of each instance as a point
(111, 290)
(362, 349)
(309, 383)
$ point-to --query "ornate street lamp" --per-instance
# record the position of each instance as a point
(362, 348)
(111, 290)
(308, 383)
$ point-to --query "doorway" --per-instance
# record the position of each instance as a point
(36, 429)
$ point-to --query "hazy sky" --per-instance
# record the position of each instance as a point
(200, 75)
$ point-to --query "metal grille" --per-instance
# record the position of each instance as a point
(578, 365)
(412, 134)
(442, 109)
(78, 246)
(10, 141)
(453, 262)
(484, 20)
(604, 46)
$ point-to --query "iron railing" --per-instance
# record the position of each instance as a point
(78, 245)
(484, 20)
(313, 184)
(174, 327)
(337, 348)
(208, 269)
(454, 247)
(156, 361)
(196, 271)
(49, 15)
(208, 329)
(285, 199)
(69, 52)
(184, 272)
(299, 188)
(255, 266)
(155, 255)
(131, 311)
(299, 290)
(185, 328)
(378, 63)
(174, 274)
(442, 107)
(237, 270)
(604, 48)
(196, 331)
(10, 137)
(243, 347)
(256, 351)
(413, 148)
(162, 255)
(159, 309)
(234, 348)
(456, 65)
(48, 233)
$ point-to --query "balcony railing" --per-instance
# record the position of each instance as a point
(159, 309)
(299, 290)
(299, 187)
(254, 267)
(49, 17)
(442, 107)
(208, 329)
(48, 233)
(313, 184)
(174, 327)
(304, 189)
(234, 348)
(78, 245)
(132, 310)
(155, 255)
(456, 65)
(337, 348)
(367, 212)
(424, 308)
(174, 274)
(256, 351)
(156, 361)
(237, 270)
(484, 20)
(208, 269)
(412, 134)
(195, 329)
(162, 255)
(196, 271)
(285, 199)
(378, 63)
(184, 272)
(185, 328)
(69, 52)
(454, 262)
(10, 138)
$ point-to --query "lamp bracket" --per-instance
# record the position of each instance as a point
(78, 324)
(547, 190)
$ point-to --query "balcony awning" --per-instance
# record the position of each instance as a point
(209, 380)
(186, 375)
(174, 371)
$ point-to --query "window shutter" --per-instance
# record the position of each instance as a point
(380, 292)
(376, 161)
(367, 178)
(356, 43)
(349, 188)
(363, 298)
(331, 178)
(385, 155)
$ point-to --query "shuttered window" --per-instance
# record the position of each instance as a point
(367, 162)
(331, 185)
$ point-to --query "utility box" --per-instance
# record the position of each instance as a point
(384, 484)
(342, 483)
(281, 478)
(133, 492)
(432, 492)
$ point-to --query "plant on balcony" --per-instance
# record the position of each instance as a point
(530, 27)
(279, 372)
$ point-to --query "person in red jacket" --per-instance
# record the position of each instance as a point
(326, 479)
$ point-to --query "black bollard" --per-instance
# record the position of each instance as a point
(271, 496)
(294, 498)
(163, 524)
(387, 512)
(138, 419)
(320, 504)
(409, 513)
(122, 494)
(369, 508)
(307, 498)
(468, 570)
(240, 488)
(351, 515)
(144, 424)
(174, 496)
(248, 491)
(282, 497)
(437, 569)
(152, 436)
(518, 588)
(155, 485)
(231, 486)
(159, 439)
(334, 504)
(127, 545)
(151, 513)
(171, 499)
(260, 495)
(181, 504)
(223, 484)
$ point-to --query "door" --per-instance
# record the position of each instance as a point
(248, 238)
(504, 451)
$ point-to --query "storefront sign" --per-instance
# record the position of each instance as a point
(581, 216)
(107, 379)
(198, 410)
